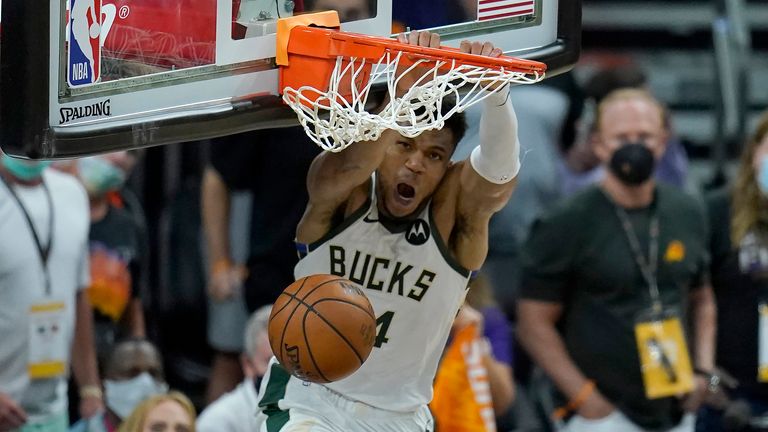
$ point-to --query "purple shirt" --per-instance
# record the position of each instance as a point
(499, 333)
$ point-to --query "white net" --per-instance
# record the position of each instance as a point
(334, 123)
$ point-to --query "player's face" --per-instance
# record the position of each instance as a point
(632, 120)
(412, 169)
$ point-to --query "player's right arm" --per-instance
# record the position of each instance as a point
(335, 180)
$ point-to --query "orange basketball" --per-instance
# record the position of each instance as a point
(322, 328)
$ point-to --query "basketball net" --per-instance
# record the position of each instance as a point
(335, 122)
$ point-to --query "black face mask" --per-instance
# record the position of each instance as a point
(632, 163)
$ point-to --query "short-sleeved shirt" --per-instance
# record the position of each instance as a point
(737, 294)
(579, 255)
(22, 282)
(272, 165)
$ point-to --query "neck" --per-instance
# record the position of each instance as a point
(627, 196)
(12, 179)
(99, 208)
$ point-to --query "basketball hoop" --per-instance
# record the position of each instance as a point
(328, 74)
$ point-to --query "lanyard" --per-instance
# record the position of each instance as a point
(42, 250)
(647, 268)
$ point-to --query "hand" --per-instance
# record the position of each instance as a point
(12, 416)
(224, 284)
(693, 400)
(468, 316)
(596, 407)
(405, 81)
(91, 406)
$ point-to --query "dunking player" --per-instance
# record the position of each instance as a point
(400, 219)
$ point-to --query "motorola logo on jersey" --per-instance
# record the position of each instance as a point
(418, 233)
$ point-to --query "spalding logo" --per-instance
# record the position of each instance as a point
(294, 363)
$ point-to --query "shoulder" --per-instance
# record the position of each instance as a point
(680, 203)
(66, 188)
(233, 408)
(64, 183)
(718, 200)
(122, 217)
(572, 209)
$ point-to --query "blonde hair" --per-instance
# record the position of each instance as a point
(749, 207)
(135, 421)
(628, 94)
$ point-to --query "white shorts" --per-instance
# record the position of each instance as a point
(287, 404)
(618, 422)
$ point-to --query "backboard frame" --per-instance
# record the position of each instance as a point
(29, 81)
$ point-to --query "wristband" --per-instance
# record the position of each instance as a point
(221, 266)
(584, 393)
(91, 391)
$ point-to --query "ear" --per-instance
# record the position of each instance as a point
(600, 147)
(662, 147)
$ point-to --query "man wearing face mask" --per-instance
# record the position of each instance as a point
(236, 410)
(613, 279)
(133, 374)
(44, 315)
(116, 252)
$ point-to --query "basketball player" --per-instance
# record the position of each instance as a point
(397, 217)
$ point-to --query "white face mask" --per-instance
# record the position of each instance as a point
(125, 395)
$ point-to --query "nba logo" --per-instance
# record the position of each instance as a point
(85, 30)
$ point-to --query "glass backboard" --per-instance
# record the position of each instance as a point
(86, 76)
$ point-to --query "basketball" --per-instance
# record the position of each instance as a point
(322, 328)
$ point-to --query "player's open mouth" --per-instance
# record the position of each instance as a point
(405, 191)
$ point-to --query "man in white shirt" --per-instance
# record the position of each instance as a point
(44, 317)
(236, 410)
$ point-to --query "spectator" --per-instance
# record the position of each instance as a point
(171, 412)
(739, 250)
(45, 316)
(116, 251)
(582, 168)
(133, 373)
(250, 162)
(236, 410)
(497, 335)
(463, 399)
(586, 272)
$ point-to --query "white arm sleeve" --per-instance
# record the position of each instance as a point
(497, 158)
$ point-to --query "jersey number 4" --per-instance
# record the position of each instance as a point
(382, 326)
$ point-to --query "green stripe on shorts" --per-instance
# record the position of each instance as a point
(275, 391)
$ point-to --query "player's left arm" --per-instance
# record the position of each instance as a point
(488, 178)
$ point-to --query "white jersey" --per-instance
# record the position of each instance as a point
(416, 289)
